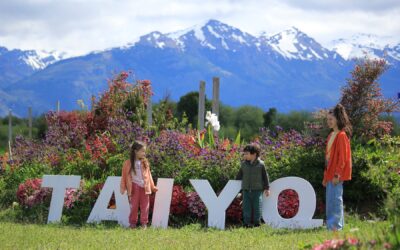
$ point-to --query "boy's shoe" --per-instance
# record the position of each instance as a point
(247, 225)
(257, 225)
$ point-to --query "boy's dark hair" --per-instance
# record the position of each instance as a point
(252, 149)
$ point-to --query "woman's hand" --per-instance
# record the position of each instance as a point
(324, 183)
(336, 180)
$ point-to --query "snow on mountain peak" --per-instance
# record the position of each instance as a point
(284, 42)
(228, 33)
(362, 44)
(291, 44)
(294, 44)
(394, 52)
(212, 34)
(41, 59)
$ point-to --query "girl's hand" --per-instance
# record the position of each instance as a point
(324, 183)
(155, 189)
(267, 192)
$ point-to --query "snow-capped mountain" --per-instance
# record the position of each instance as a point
(288, 70)
(394, 52)
(294, 44)
(291, 44)
(211, 35)
(16, 64)
(35, 59)
(361, 44)
(41, 59)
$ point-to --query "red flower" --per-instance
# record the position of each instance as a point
(99, 146)
(234, 211)
(179, 204)
(30, 193)
(288, 203)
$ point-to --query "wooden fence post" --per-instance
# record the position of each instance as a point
(202, 104)
(9, 133)
(9, 125)
(30, 121)
(215, 100)
(149, 112)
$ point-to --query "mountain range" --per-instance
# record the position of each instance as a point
(288, 70)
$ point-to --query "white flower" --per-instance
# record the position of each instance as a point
(213, 120)
(208, 115)
(81, 103)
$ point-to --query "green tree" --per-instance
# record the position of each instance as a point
(189, 105)
(294, 120)
(270, 118)
(249, 120)
(227, 116)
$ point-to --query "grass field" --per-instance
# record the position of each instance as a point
(30, 236)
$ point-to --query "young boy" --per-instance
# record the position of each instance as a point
(254, 181)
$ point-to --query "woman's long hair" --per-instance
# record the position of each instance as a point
(137, 145)
(343, 121)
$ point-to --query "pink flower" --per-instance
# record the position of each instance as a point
(352, 241)
(387, 245)
(30, 193)
(71, 196)
(195, 205)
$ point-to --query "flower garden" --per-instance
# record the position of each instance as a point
(94, 143)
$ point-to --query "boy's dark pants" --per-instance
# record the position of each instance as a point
(252, 204)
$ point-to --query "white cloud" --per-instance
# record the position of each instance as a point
(80, 26)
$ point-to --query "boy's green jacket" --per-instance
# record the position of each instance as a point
(253, 176)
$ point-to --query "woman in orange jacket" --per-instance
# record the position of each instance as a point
(338, 166)
(136, 179)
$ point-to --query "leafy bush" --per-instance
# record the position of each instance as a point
(94, 144)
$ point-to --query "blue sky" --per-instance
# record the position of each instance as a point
(80, 26)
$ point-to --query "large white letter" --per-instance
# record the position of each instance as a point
(101, 212)
(307, 204)
(59, 183)
(216, 205)
(162, 203)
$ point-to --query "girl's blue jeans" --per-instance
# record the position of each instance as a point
(334, 206)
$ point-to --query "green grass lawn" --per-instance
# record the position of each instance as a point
(23, 236)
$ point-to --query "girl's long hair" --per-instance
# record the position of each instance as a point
(343, 121)
(137, 145)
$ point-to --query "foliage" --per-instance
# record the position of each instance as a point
(188, 104)
(363, 100)
(95, 143)
(270, 118)
(30, 193)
